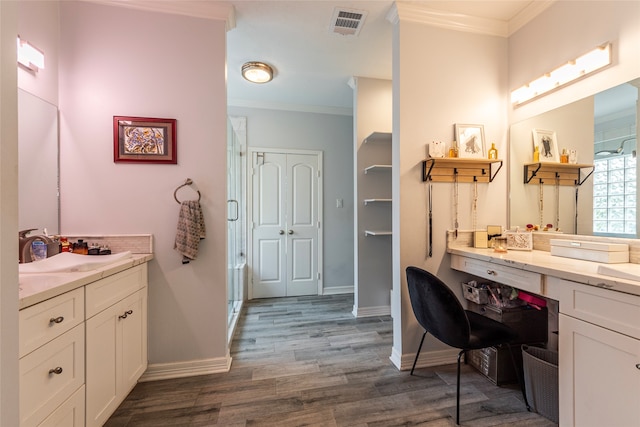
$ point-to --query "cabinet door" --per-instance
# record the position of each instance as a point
(599, 376)
(116, 355)
(101, 375)
(133, 340)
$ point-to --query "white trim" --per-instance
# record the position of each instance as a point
(165, 371)
(384, 310)
(415, 12)
(269, 105)
(337, 290)
(404, 362)
(221, 11)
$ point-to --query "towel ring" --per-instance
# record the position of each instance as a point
(187, 182)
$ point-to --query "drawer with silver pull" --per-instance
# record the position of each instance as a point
(518, 278)
(50, 375)
(43, 322)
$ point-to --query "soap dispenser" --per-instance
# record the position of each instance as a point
(536, 154)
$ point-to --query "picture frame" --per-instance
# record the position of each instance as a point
(470, 140)
(519, 241)
(547, 144)
(144, 140)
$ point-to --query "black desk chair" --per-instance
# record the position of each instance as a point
(439, 312)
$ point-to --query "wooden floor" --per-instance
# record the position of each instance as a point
(307, 362)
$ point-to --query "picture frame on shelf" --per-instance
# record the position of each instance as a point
(547, 143)
(470, 140)
(144, 140)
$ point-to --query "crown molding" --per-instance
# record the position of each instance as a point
(301, 108)
(527, 14)
(217, 10)
(416, 12)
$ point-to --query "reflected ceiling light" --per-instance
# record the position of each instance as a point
(257, 72)
(619, 150)
(29, 56)
(588, 63)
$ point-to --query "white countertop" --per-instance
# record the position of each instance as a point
(37, 287)
(565, 268)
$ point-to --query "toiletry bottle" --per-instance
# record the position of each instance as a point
(453, 151)
(564, 157)
(493, 152)
(64, 242)
(536, 154)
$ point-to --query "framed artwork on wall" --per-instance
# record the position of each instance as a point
(547, 144)
(470, 140)
(144, 140)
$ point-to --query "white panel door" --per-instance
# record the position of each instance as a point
(285, 225)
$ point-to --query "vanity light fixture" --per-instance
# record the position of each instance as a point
(257, 72)
(586, 64)
(29, 56)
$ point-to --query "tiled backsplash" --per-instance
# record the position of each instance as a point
(136, 243)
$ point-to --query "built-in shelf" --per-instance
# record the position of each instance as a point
(367, 201)
(556, 173)
(373, 168)
(448, 169)
(377, 233)
(378, 137)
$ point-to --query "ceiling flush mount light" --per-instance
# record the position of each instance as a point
(29, 56)
(586, 64)
(257, 72)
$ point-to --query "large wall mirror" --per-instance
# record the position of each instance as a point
(602, 129)
(37, 164)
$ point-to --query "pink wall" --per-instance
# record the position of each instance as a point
(119, 61)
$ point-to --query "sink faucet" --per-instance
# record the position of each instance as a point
(24, 244)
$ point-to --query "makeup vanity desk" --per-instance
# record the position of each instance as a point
(599, 329)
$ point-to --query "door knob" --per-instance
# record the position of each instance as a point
(290, 231)
(281, 232)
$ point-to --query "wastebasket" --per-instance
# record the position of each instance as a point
(540, 368)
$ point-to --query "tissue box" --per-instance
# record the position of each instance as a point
(608, 253)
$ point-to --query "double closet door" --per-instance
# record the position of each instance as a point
(285, 224)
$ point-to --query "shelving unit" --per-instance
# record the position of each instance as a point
(375, 215)
(551, 172)
(445, 169)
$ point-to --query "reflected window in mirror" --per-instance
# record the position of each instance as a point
(615, 202)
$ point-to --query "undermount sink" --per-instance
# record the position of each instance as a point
(67, 262)
(621, 271)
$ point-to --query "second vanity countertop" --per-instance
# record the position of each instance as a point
(37, 287)
(543, 262)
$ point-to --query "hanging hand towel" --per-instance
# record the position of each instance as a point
(190, 230)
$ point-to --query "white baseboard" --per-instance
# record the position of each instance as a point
(337, 290)
(404, 362)
(165, 371)
(384, 310)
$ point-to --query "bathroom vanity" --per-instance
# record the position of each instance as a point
(599, 328)
(83, 342)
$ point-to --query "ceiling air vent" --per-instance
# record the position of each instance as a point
(347, 22)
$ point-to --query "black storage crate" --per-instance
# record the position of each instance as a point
(531, 324)
(495, 363)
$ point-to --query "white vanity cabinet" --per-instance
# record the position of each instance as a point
(599, 347)
(116, 341)
(83, 350)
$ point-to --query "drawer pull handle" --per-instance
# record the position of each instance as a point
(58, 319)
(56, 371)
(126, 313)
(491, 272)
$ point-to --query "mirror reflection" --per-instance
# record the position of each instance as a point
(600, 133)
(37, 164)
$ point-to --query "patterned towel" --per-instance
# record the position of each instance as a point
(190, 230)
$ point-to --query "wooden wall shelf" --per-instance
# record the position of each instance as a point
(445, 169)
(551, 172)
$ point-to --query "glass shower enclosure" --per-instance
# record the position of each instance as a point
(236, 219)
